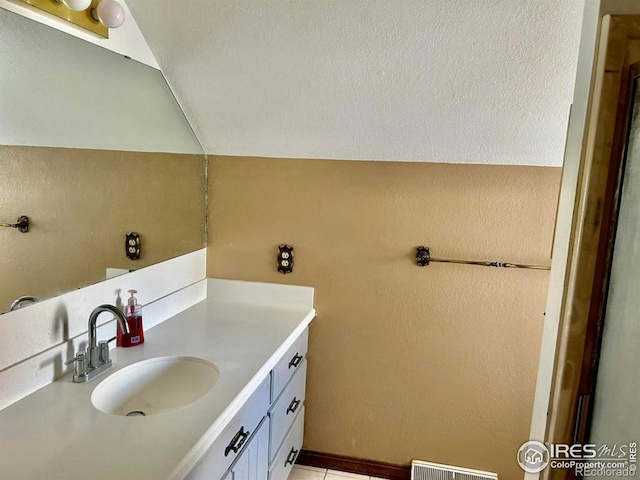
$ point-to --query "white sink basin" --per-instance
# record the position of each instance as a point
(154, 386)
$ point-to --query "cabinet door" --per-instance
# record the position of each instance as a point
(253, 463)
(230, 443)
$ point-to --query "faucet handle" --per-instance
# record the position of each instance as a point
(80, 364)
(103, 351)
(79, 356)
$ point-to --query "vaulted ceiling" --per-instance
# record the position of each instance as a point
(470, 81)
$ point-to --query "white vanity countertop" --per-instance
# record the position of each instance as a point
(57, 434)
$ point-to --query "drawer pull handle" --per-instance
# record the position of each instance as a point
(237, 442)
(293, 454)
(293, 406)
(295, 361)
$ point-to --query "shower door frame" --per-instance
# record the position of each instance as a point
(593, 234)
(595, 326)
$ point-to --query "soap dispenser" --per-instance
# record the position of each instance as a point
(133, 312)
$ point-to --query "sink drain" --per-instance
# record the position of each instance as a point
(136, 413)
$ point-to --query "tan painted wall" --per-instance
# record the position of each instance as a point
(81, 203)
(435, 363)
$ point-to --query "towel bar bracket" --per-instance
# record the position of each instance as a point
(22, 224)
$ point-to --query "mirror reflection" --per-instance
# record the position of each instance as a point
(93, 146)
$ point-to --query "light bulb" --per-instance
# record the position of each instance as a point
(110, 13)
(77, 5)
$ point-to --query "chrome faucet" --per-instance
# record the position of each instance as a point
(96, 359)
(21, 302)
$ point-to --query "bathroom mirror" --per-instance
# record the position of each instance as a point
(93, 146)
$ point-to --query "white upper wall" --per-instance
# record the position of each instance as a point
(468, 81)
(59, 91)
(126, 40)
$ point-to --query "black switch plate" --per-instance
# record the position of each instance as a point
(132, 246)
(285, 259)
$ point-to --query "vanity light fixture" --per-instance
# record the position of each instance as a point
(108, 12)
(97, 16)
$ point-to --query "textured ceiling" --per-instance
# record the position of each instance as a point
(472, 81)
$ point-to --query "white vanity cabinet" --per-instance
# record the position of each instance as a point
(264, 439)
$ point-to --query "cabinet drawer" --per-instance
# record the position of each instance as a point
(228, 445)
(286, 456)
(285, 410)
(288, 364)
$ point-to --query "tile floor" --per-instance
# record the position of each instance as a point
(302, 472)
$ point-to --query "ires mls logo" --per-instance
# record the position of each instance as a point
(587, 460)
(533, 457)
